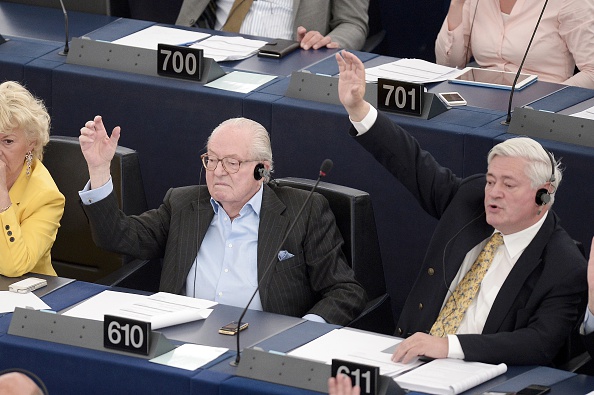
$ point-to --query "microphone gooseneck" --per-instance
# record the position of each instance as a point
(324, 170)
(513, 88)
(64, 52)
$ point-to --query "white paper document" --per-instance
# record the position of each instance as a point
(190, 356)
(356, 346)
(10, 300)
(240, 81)
(161, 309)
(222, 48)
(588, 113)
(150, 37)
(411, 70)
(449, 376)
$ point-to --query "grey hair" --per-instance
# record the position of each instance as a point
(261, 148)
(542, 163)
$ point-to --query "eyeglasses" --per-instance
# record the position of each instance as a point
(231, 165)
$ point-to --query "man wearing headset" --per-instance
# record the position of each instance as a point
(530, 298)
(217, 241)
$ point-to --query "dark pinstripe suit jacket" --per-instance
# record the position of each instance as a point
(317, 280)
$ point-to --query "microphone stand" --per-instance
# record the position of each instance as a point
(324, 169)
(513, 88)
(64, 52)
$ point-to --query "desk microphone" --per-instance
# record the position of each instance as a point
(324, 170)
(513, 88)
(64, 52)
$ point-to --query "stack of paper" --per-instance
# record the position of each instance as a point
(411, 70)
(161, 309)
(222, 48)
(449, 376)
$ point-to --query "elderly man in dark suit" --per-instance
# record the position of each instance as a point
(217, 240)
(501, 280)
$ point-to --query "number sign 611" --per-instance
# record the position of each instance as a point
(365, 376)
(401, 97)
(179, 62)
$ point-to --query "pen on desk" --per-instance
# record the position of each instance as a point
(189, 43)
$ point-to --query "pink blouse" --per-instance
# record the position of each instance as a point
(564, 39)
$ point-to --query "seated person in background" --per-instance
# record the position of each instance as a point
(496, 33)
(217, 240)
(588, 327)
(528, 302)
(31, 205)
(314, 23)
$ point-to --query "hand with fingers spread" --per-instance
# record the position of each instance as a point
(98, 149)
(421, 345)
(314, 39)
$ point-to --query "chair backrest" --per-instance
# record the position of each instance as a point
(74, 253)
(355, 220)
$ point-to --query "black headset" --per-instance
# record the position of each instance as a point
(543, 196)
(260, 171)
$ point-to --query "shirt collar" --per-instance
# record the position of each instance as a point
(517, 242)
(254, 204)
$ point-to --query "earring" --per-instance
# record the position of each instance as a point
(28, 160)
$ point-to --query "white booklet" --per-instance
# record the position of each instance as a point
(449, 376)
(161, 309)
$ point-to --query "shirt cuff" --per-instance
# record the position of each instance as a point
(454, 347)
(314, 317)
(588, 326)
(366, 123)
(90, 196)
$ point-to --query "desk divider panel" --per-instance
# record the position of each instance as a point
(324, 89)
(79, 332)
(106, 55)
(296, 372)
(552, 126)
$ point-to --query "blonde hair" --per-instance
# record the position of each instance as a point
(20, 110)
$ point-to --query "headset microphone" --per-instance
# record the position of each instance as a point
(324, 170)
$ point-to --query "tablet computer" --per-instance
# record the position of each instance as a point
(493, 78)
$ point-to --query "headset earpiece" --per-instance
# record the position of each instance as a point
(542, 197)
(260, 172)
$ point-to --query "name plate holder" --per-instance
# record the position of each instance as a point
(86, 52)
(552, 126)
(324, 89)
(73, 331)
(296, 372)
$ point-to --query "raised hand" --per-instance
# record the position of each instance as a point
(351, 85)
(98, 149)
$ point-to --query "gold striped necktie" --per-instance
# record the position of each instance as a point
(453, 312)
(239, 10)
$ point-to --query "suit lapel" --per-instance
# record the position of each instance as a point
(271, 231)
(528, 261)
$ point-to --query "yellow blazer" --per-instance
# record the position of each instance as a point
(30, 225)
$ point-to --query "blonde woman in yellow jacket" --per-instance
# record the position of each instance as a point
(31, 205)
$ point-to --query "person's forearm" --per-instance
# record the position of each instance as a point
(99, 176)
